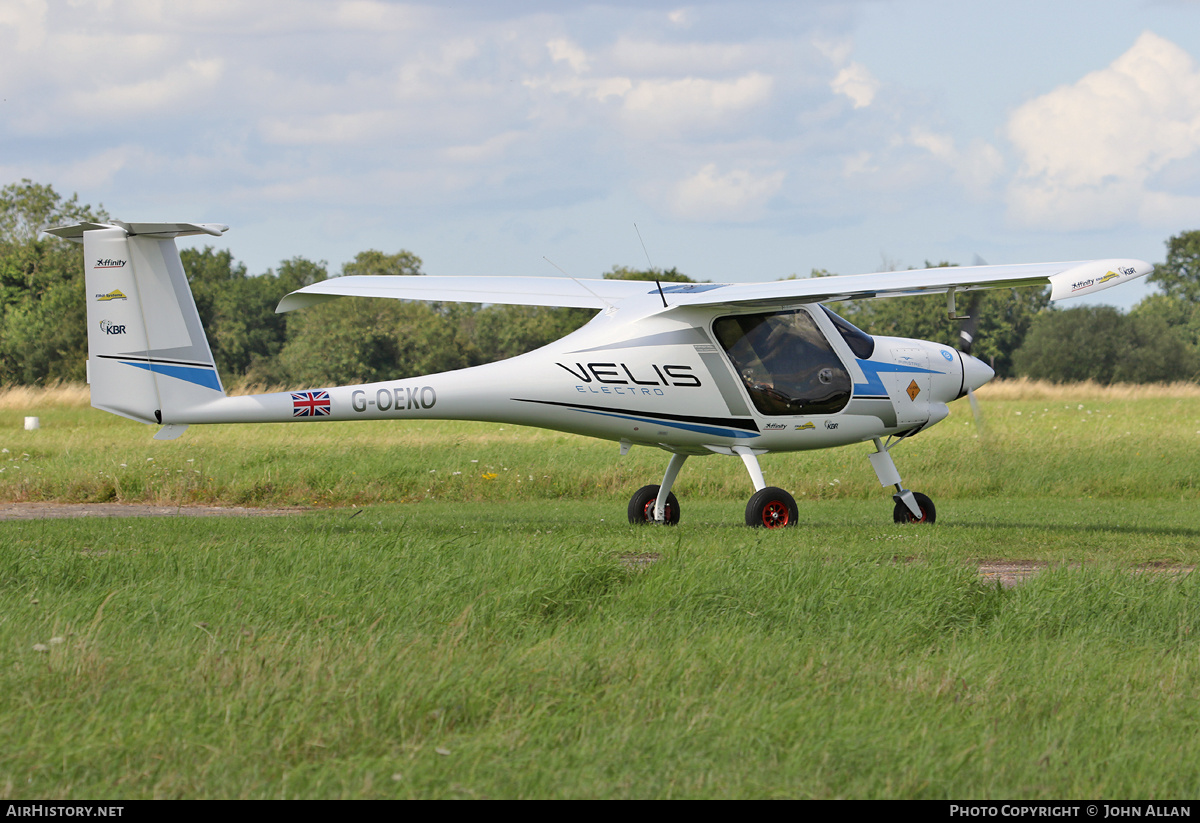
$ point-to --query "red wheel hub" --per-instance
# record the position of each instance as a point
(648, 512)
(775, 514)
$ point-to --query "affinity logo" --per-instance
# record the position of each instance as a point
(106, 263)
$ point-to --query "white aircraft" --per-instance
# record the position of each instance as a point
(693, 369)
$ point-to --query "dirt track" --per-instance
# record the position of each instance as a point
(46, 511)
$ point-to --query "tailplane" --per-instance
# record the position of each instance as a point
(148, 357)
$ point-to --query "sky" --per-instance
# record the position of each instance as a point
(743, 141)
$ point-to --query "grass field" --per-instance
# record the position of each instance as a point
(461, 610)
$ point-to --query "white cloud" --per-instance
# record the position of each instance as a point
(693, 101)
(856, 82)
(376, 17)
(353, 127)
(975, 168)
(25, 21)
(563, 50)
(737, 196)
(862, 162)
(654, 57)
(99, 170)
(1088, 149)
(493, 149)
(174, 88)
(836, 50)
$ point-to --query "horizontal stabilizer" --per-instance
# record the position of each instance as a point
(162, 230)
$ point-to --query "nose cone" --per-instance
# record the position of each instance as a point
(975, 373)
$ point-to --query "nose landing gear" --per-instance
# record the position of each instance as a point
(911, 507)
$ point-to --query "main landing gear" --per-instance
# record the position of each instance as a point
(771, 507)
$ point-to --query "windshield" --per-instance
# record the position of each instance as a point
(786, 364)
(861, 343)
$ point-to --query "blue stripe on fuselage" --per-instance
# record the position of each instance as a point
(874, 385)
(693, 427)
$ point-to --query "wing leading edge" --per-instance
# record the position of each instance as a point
(1070, 279)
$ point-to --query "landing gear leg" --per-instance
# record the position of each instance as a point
(665, 489)
(911, 507)
(656, 504)
(770, 507)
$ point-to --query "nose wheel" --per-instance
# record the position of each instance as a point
(902, 514)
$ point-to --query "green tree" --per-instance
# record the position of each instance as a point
(45, 338)
(1179, 275)
(238, 311)
(363, 340)
(501, 332)
(372, 262)
(671, 275)
(358, 339)
(1153, 351)
(1183, 316)
(1102, 344)
(1071, 345)
(42, 307)
(27, 208)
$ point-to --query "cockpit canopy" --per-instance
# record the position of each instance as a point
(785, 362)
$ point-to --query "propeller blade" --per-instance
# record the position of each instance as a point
(980, 426)
(966, 332)
(966, 340)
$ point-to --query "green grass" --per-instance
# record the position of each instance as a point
(1106, 447)
(403, 653)
(487, 638)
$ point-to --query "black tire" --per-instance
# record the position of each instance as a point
(901, 514)
(641, 507)
(772, 508)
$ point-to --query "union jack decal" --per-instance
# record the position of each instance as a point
(310, 404)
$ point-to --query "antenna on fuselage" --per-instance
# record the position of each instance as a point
(650, 264)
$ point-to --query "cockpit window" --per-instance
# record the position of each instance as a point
(787, 365)
(861, 343)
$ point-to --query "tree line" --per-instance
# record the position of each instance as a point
(43, 316)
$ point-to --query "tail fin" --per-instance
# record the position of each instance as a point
(148, 357)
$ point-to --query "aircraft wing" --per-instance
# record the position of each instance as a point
(1065, 279)
(1071, 279)
(520, 291)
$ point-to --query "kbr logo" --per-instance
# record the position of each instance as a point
(108, 327)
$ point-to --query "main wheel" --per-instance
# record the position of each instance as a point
(771, 508)
(901, 514)
(641, 507)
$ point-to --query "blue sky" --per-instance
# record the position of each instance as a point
(746, 140)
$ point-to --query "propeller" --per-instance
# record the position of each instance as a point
(966, 340)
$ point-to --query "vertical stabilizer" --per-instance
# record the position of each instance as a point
(148, 357)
